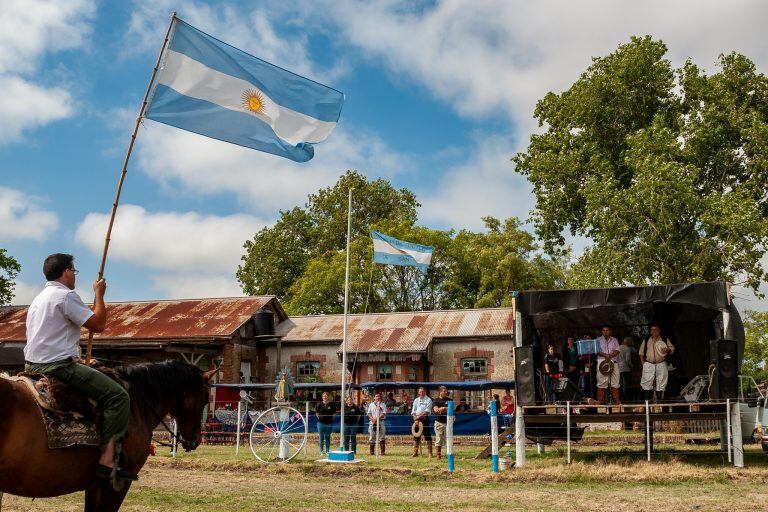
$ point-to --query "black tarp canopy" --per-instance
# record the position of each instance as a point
(689, 314)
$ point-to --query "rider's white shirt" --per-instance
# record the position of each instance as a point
(54, 320)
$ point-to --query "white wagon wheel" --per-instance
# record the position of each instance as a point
(278, 434)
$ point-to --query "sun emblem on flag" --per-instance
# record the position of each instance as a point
(253, 101)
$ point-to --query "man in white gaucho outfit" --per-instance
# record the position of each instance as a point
(653, 353)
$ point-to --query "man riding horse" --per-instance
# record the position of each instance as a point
(54, 322)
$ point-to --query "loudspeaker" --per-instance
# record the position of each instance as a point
(723, 355)
(566, 391)
(526, 376)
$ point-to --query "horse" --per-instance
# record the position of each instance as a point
(29, 468)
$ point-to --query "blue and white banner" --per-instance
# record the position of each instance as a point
(211, 88)
(391, 251)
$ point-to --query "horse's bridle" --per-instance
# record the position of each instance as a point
(175, 438)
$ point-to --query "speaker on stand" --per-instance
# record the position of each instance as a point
(526, 375)
(724, 369)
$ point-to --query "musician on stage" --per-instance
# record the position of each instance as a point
(653, 354)
(609, 350)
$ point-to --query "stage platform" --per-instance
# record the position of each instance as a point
(594, 413)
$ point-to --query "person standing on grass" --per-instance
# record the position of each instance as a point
(353, 418)
(325, 411)
(377, 431)
(422, 408)
(440, 408)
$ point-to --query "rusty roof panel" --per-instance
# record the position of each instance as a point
(13, 325)
(399, 332)
(171, 319)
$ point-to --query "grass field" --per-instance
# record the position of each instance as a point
(213, 479)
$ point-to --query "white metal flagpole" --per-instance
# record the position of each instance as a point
(346, 314)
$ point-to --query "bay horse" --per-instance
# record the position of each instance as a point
(29, 468)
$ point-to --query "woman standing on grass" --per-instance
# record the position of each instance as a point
(324, 411)
(353, 419)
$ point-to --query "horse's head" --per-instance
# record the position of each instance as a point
(188, 411)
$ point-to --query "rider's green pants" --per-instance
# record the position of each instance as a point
(112, 398)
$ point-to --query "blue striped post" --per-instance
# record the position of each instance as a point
(449, 436)
(494, 438)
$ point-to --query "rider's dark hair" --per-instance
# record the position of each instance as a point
(55, 265)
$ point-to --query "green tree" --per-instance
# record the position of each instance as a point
(9, 269)
(487, 267)
(756, 346)
(664, 170)
(302, 258)
(278, 255)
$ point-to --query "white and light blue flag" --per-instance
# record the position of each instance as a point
(391, 251)
(211, 88)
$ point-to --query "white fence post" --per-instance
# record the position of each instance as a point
(738, 448)
(568, 434)
(728, 426)
(237, 442)
(175, 440)
(449, 436)
(647, 431)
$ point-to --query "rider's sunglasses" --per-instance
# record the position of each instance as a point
(73, 270)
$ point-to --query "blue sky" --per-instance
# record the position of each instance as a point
(440, 95)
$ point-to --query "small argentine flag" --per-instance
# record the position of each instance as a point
(211, 88)
(391, 251)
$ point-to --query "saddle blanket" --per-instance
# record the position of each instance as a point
(75, 424)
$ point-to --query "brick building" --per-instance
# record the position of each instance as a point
(456, 345)
(414, 346)
(200, 331)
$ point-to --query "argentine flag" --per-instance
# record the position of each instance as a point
(391, 251)
(211, 88)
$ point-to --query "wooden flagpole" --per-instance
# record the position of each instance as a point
(89, 349)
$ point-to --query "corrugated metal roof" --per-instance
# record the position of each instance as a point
(168, 319)
(399, 332)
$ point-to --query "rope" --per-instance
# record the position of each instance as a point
(365, 310)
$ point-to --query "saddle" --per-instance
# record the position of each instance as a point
(70, 418)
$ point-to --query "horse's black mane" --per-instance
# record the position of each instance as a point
(150, 383)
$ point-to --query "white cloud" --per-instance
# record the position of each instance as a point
(186, 286)
(179, 242)
(25, 105)
(263, 183)
(25, 292)
(28, 30)
(484, 57)
(22, 216)
(483, 185)
(252, 29)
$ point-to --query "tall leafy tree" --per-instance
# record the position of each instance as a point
(756, 346)
(665, 170)
(302, 258)
(278, 255)
(9, 269)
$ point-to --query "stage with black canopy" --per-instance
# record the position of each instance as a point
(689, 314)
